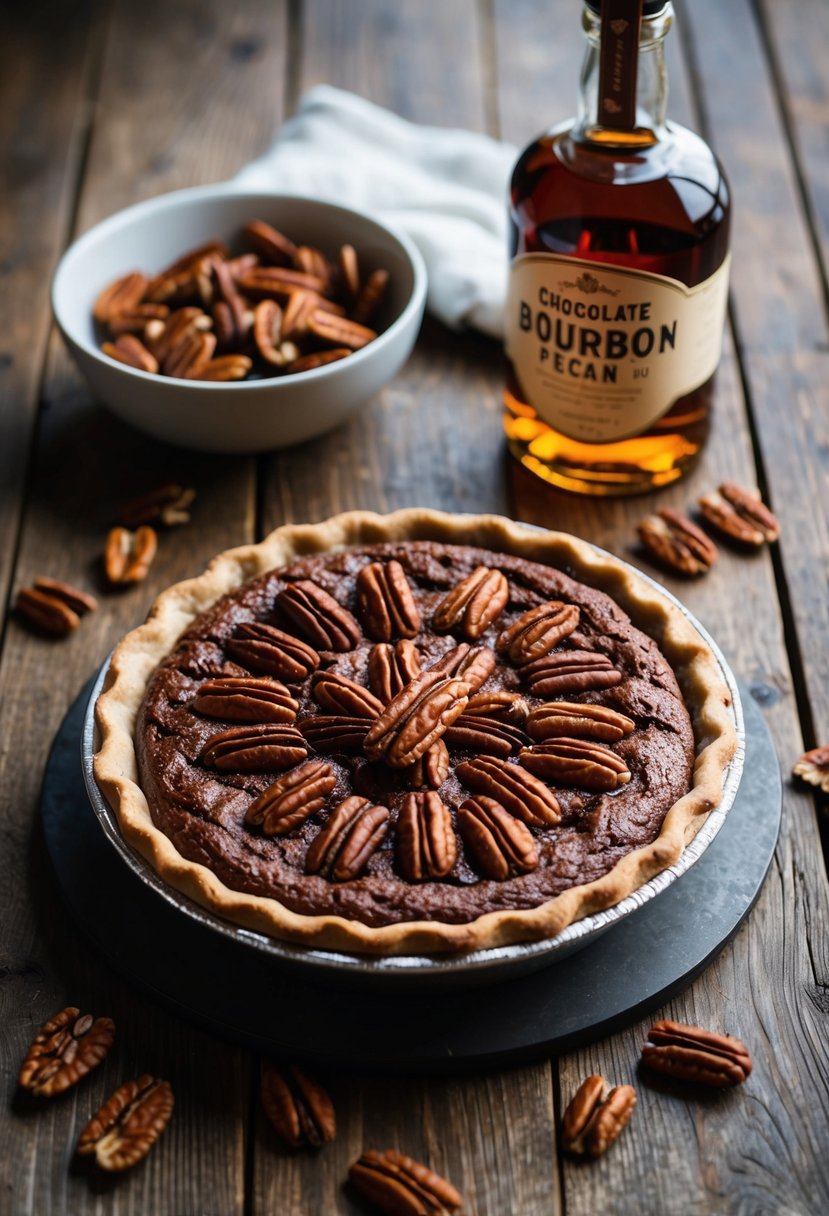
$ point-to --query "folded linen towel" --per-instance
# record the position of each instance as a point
(446, 188)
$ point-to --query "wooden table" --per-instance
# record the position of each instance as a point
(111, 102)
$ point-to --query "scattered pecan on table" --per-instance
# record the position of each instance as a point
(65, 1049)
(53, 607)
(740, 515)
(813, 767)
(128, 1124)
(596, 1116)
(299, 1108)
(691, 1053)
(396, 1184)
(676, 543)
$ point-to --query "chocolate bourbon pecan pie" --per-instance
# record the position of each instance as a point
(412, 733)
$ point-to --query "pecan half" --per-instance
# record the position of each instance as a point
(269, 243)
(391, 668)
(596, 1116)
(128, 1125)
(188, 264)
(254, 748)
(385, 602)
(508, 706)
(488, 736)
(499, 843)
(278, 281)
(245, 699)
(52, 606)
(238, 318)
(349, 267)
(299, 1108)
(339, 331)
(341, 695)
(371, 296)
(677, 543)
(134, 320)
(522, 794)
(349, 840)
(570, 719)
(318, 616)
(415, 719)
(268, 649)
(293, 798)
(65, 1049)
(693, 1054)
(317, 358)
(335, 733)
(472, 664)
(298, 308)
(79, 601)
(267, 331)
(313, 261)
(432, 769)
(582, 763)
(121, 296)
(130, 350)
(426, 845)
(476, 602)
(223, 369)
(398, 1186)
(569, 671)
(129, 555)
(163, 339)
(813, 766)
(189, 358)
(168, 505)
(740, 514)
(538, 630)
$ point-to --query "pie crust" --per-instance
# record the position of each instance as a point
(704, 691)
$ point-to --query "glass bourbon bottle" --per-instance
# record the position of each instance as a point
(619, 274)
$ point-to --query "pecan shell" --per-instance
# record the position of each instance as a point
(582, 763)
(128, 1125)
(255, 748)
(293, 798)
(813, 767)
(677, 543)
(426, 845)
(499, 843)
(569, 671)
(65, 1049)
(486, 736)
(432, 769)
(299, 1108)
(386, 603)
(268, 649)
(517, 790)
(349, 840)
(398, 1186)
(415, 719)
(341, 695)
(245, 699)
(476, 602)
(472, 664)
(318, 616)
(557, 719)
(596, 1116)
(335, 733)
(693, 1054)
(538, 630)
(391, 668)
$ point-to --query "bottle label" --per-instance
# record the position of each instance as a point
(602, 352)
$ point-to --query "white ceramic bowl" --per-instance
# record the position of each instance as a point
(247, 416)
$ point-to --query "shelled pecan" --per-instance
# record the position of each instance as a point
(691, 1053)
(385, 602)
(500, 844)
(557, 719)
(65, 1049)
(570, 671)
(474, 604)
(516, 789)
(245, 699)
(300, 1110)
(350, 838)
(398, 1186)
(129, 555)
(596, 1116)
(739, 514)
(51, 606)
(538, 631)
(128, 1125)
(255, 748)
(677, 543)
(293, 798)
(416, 718)
(426, 845)
(318, 616)
(813, 767)
(582, 763)
(167, 505)
(391, 668)
(267, 649)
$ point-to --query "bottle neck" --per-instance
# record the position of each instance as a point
(651, 85)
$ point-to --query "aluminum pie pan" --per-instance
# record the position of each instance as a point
(478, 967)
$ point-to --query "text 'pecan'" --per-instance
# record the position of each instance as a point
(398, 1186)
(476, 602)
(65, 1049)
(426, 845)
(693, 1054)
(386, 603)
(300, 1110)
(596, 1116)
(128, 1125)
(349, 840)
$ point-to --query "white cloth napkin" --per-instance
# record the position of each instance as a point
(446, 188)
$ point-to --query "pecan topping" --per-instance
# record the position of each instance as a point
(270, 243)
(245, 699)
(472, 664)
(476, 602)
(65, 1049)
(508, 706)
(499, 843)
(339, 331)
(349, 840)
(129, 555)
(576, 762)
(300, 1110)
(596, 1117)
(693, 1054)
(486, 735)
(168, 505)
(537, 631)
(522, 794)
(426, 845)
(343, 696)
(255, 748)
(570, 671)
(121, 296)
(416, 718)
(265, 648)
(129, 349)
(371, 296)
(398, 1186)
(318, 616)
(432, 769)
(813, 766)
(386, 603)
(293, 798)
(677, 543)
(335, 733)
(559, 719)
(128, 1125)
(391, 668)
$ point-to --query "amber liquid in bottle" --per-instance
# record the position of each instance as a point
(646, 203)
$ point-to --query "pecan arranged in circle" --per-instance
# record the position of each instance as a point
(349, 840)
(245, 699)
(486, 736)
(333, 733)
(571, 719)
(677, 543)
(398, 1186)
(318, 616)
(499, 843)
(596, 1116)
(813, 767)
(293, 798)
(475, 603)
(299, 1108)
(569, 671)
(340, 695)
(391, 668)
(128, 1125)
(268, 649)
(582, 763)
(538, 630)
(255, 748)
(386, 603)
(415, 719)
(472, 664)
(740, 515)
(426, 845)
(517, 790)
(504, 705)
(693, 1054)
(432, 769)
(65, 1049)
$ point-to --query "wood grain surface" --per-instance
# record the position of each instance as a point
(119, 102)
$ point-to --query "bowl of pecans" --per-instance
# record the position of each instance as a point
(232, 321)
